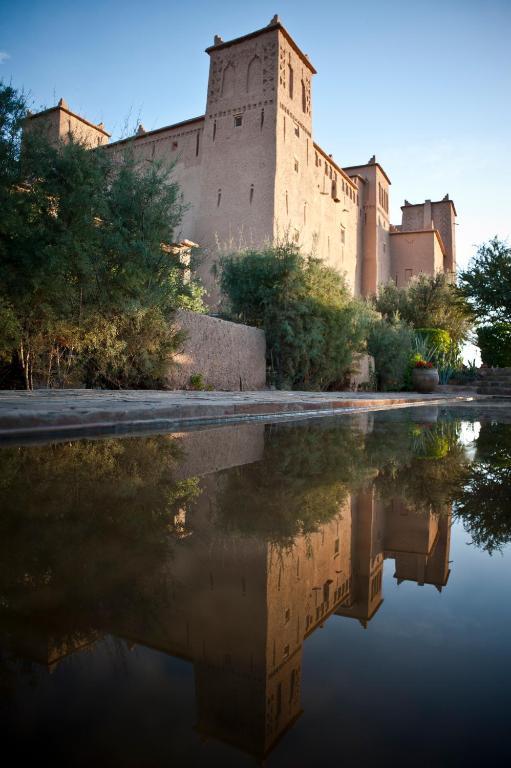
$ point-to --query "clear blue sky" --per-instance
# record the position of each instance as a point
(424, 85)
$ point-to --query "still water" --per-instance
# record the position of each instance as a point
(323, 592)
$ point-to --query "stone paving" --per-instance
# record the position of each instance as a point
(75, 410)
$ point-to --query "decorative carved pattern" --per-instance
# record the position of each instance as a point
(269, 66)
(215, 82)
(282, 67)
(307, 83)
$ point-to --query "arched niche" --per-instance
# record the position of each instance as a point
(228, 78)
(254, 75)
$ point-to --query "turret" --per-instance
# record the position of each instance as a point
(59, 123)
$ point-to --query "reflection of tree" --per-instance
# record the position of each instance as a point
(301, 481)
(427, 467)
(86, 523)
(483, 503)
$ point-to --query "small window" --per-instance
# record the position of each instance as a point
(336, 547)
(218, 198)
(297, 130)
(296, 165)
(291, 75)
(238, 119)
(262, 118)
(174, 145)
(251, 194)
(214, 130)
(408, 274)
(197, 140)
(343, 235)
(287, 615)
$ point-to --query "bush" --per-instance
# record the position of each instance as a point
(390, 343)
(130, 351)
(427, 302)
(494, 342)
(313, 327)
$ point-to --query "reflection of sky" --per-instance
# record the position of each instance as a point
(468, 434)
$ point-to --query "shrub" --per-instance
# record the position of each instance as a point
(132, 350)
(390, 343)
(313, 327)
(494, 342)
(196, 382)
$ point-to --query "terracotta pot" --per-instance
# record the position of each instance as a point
(425, 379)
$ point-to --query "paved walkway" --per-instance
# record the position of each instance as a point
(77, 410)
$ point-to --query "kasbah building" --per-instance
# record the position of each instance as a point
(251, 173)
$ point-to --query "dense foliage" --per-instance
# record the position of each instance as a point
(494, 342)
(313, 326)
(486, 283)
(390, 343)
(427, 302)
(436, 339)
(86, 290)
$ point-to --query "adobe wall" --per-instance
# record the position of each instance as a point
(230, 356)
(413, 253)
(179, 146)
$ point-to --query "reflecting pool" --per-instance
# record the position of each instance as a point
(320, 592)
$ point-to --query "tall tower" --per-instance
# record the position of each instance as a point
(259, 88)
(375, 226)
(238, 166)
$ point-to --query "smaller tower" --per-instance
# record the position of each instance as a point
(375, 225)
(58, 123)
(439, 215)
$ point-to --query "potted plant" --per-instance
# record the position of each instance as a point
(424, 376)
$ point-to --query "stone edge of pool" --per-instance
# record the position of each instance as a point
(46, 413)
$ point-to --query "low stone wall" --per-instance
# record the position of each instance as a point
(360, 377)
(229, 356)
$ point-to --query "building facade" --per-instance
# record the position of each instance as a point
(251, 173)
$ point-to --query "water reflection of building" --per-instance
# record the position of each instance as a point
(240, 608)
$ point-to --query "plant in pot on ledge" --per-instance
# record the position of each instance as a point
(424, 375)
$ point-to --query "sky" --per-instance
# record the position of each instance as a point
(425, 86)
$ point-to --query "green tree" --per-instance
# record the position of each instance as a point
(427, 302)
(486, 284)
(82, 264)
